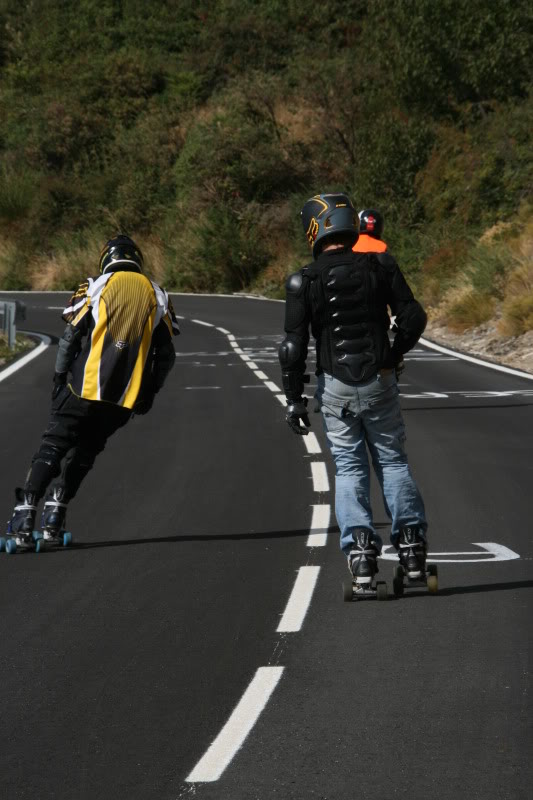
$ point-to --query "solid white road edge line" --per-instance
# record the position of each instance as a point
(320, 476)
(319, 523)
(479, 361)
(298, 603)
(45, 342)
(200, 322)
(220, 754)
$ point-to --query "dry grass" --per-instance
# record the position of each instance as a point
(8, 256)
(466, 308)
(517, 310)
(66, 269)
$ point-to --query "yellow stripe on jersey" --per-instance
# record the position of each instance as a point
(130, 302)
(137, 375)
(91, 383)
(80, 315)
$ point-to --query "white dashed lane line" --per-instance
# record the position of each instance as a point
(318, 536)
(223, 749)
(311, 443)
(232, 736)
(299, 601)
(320, 476)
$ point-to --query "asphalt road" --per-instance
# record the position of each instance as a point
(123, 658)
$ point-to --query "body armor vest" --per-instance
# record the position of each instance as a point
(349, 317)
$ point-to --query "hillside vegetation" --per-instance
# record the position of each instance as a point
(201, 127)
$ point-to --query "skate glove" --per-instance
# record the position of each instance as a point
(295, 412)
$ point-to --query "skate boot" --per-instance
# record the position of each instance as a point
(54, 514)
(362, 558)
(20, 526)
(412, 550)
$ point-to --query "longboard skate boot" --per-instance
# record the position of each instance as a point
(54, 513)
(412, 549)
(362, 558)
(21, 525)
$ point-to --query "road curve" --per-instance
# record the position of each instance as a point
(194, 642)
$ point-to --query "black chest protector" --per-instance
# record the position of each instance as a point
(349, 318)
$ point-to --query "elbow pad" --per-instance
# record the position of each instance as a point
(292, 361)
(68, 348)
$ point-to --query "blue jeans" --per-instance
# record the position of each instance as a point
(357, 417)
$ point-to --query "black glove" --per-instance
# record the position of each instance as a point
(295, 412)
(143, 406)
(399, 368)
(60, 381)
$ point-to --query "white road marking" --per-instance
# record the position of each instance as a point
(473, 360)
(231, 738)
(251, 364)
(494, 551)
(282, 399)
(425, 396)
(320, 476)
(311, 443)
(319, 524)
(471, 393)
(272, 386)
(45, 342)
(298, 604)
(231, 337)
(223, 330)
(261, 375)
(202, 387)
(430, 358)
(200, 322)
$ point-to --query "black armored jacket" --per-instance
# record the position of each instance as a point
(343, 296)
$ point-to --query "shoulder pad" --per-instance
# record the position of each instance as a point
(386, 260)
(294, 283)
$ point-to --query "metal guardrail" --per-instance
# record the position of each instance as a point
(10, 314)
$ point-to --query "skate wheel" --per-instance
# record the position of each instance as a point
(382, 593)
(11, 546)
(397, 580)
(347, 592)
(67, 539)
(397, 586)
(2, 545)
(433, 584)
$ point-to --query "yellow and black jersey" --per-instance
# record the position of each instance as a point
(119, 313)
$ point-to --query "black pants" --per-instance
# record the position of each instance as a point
(78, 429)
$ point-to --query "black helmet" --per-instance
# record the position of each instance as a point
(328, 215)
(371, 222)
(121, 253)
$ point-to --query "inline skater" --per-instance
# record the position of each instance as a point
(113, 358)
(370, 232)
(343, 296)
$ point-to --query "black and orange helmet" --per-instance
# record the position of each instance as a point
(371, 222)
(327, 216)
(121, 253)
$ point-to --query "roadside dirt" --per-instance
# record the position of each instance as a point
(485, 342)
